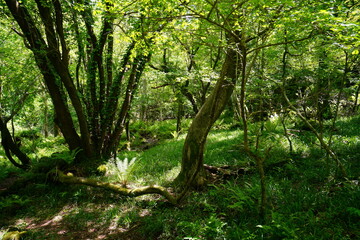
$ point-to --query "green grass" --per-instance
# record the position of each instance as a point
(307, 198)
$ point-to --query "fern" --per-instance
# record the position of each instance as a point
(68, 157)
(124, 169)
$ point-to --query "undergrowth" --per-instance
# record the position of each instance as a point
(307, 198)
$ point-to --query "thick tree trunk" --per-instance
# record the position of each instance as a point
(44, 56)
(192, 171)
(100, 129)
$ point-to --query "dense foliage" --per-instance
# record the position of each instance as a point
(253, 102)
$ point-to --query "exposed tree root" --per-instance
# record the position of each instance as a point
(226, 171)
(231, 171)
(64, 178)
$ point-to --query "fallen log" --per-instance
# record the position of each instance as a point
(70, 179)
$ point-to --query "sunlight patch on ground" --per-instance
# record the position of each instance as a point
(222, 136)
(113, 225)
(30, 223)
(62, 232)
(25, 222)
(53, 221)
(170, 175)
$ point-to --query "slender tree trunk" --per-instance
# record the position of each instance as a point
(242, 101)
(11, 147)
(179, 116)
(283, 114)
(46, 119)
(261, 170)
(55, 126)
(355, 107)
(192, 171)
(323, 144)
(245, 73)
(286, 133)
(337, 106)
(136, 73)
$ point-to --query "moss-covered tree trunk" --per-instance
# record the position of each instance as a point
(192, 171)
(100, 116)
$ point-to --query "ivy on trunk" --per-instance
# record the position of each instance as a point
(100, 116)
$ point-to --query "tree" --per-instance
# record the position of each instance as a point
(17, 88)
(242, 43)
(95, 84)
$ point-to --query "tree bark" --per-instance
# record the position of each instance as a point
(11, 147)
(97, 106)
(116, 188)
(44, 57)
(136, 72)
(192, 170)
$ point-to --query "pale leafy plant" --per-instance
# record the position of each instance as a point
(124, 169)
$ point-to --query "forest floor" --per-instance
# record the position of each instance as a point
(307, 196)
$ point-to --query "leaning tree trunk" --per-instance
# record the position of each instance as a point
(192, 171)
(11, 148)
(53, 64)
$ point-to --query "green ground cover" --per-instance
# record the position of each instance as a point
(307, 197)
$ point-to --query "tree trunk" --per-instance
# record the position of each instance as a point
(99, 129)
(60, 176)
(11, 147)
(242, 101)
(45, 56)
(355, 107)
(192, 170)
(46, 118)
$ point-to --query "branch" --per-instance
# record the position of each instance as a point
(18, 106)
(271, 25)
(160, 86)
(26, 44)
(323, 144)
(59, 19)
(206, 18)
(282, 43)
(135, 192)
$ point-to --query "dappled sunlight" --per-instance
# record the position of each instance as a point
(85, 221)
(52, 221)
(252, 107)
(171, 174)
(222, 147)
(299, 186)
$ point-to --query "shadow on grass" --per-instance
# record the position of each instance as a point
(305, 202)
(75, 212)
